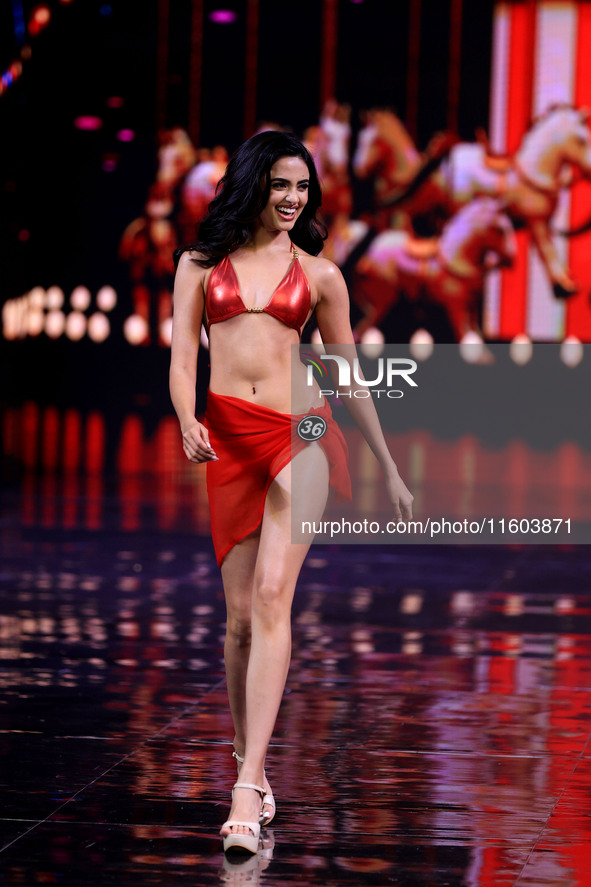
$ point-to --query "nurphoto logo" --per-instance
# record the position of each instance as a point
(388, 370)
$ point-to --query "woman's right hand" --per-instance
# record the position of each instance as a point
(196, 443)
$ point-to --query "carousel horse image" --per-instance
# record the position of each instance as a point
(328, 143)
(147, 242)
(386, 152)
(332, 160)
(147, 245)
(553, 151)
(448, 270)
(198, 188)
(176, 156)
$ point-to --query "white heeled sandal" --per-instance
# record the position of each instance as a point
(268, 800)
(235, 840)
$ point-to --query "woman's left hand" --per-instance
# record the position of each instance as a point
(399, 495)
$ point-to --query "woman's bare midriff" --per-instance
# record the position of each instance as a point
(254, 358)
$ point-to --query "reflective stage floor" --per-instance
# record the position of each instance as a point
(435, 729)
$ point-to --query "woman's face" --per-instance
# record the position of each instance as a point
(289, 180)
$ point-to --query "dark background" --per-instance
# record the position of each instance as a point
(62, 215)
(51, 177)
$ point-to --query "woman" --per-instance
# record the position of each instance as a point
(261, 229)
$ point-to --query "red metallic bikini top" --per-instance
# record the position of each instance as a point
(289, 303)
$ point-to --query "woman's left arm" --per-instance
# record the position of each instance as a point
(332, 316)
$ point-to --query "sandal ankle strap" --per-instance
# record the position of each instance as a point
(256, 788)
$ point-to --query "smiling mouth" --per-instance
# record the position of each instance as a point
(287, 212)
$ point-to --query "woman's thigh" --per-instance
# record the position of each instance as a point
(268, 555)
(298, 493)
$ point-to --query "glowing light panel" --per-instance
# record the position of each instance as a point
(88, 122)
(222, 16)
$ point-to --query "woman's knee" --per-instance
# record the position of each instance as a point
(272, 601)
(239, 628)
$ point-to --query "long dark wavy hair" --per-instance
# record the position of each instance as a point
(242, 194)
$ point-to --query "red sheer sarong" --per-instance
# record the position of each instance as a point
(253, 443)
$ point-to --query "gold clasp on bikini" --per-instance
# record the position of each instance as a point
(254, 310)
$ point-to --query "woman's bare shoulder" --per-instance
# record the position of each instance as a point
(321, 271)
(190, 272)
(190, 262)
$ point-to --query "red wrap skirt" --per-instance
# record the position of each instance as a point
(253, 443)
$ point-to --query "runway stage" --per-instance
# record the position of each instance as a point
(435, 730)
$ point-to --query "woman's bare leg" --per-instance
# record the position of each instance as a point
(277, 568)
(238, 576)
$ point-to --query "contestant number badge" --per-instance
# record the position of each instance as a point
(311, 428)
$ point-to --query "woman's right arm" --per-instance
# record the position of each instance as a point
(188, 301)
